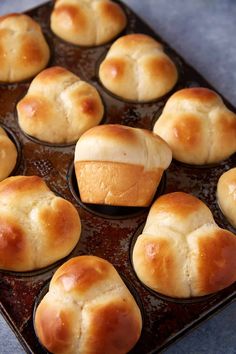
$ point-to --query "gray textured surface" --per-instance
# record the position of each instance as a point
(204, 33)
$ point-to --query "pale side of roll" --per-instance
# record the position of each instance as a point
(120, 165)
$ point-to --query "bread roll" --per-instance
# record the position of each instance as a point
(87, 22)
(8, 155)
(226, 195)
(181, 251)
(119, 165)
(37, 228)
(197, 126)
(88, 309)
(59, 107)
(23, 49)
(137, 69)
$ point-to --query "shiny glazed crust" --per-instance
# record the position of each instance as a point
(88, 309)
(37, 228)
(136, 68)
(226, 195)
(23, 49)
(8, 155)
(181, 251)
(87, 22)
(59, 107)
(195, 122)
(119, 165)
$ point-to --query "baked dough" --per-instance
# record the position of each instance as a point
(8, 155)
(88, 309)
(59, 107)
(226, 195)
(120, 165)
(198, 126)
(37, 228)
(182, 252)
(23, 49)
(137, 69)
(87, 22)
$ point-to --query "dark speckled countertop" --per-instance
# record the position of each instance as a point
(204, 33)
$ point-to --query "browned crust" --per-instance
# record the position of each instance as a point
(216, 262)
(81, 273)
(177, 203)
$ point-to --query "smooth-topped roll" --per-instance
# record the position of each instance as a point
(23, 49)
(120, 165)
(8, 155)
(59, 107)
(37, 228)
(87, 22)
(226, 195)
(136, 68)
(182, 252)
(198, 126)
(88, 309)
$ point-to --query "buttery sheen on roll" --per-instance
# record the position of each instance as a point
(37, 228)
(120, 165)
(87, 22)
(226, 195)
(88, 310)
(198, 127)
(8, 155)
(59, 107)
(137, 69)
(182, 252)
(23, 49)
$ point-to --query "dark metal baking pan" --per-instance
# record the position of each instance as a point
(111, 238)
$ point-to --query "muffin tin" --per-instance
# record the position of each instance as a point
(107, 232)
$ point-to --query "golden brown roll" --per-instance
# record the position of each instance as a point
(88, 309)
(226, 195)
(137, 69)
(120, 165)
(198, 126)
(23, 49)
(59, 107)
(87, 22)
(181, 251)
(37, 228)
(8, 155)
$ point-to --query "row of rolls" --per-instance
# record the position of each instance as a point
(181, 251)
